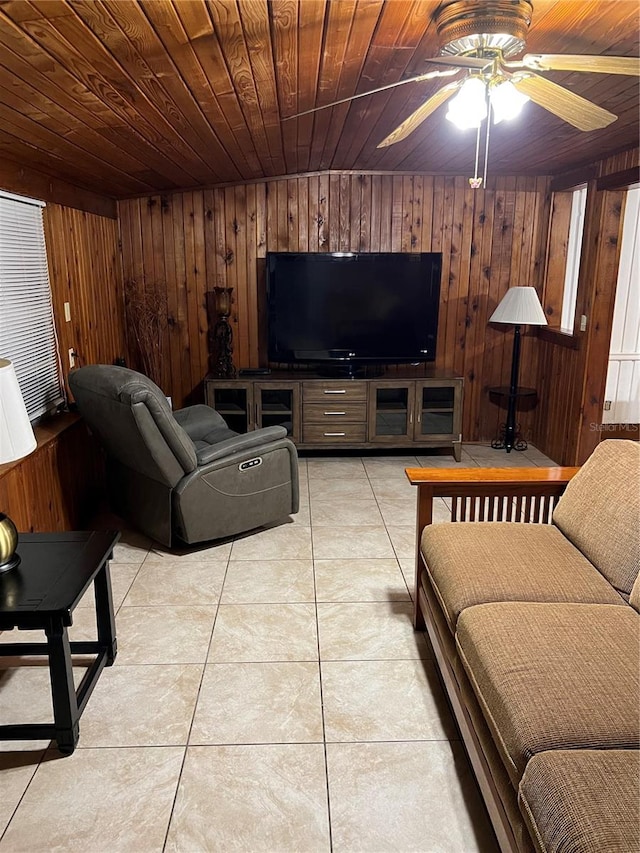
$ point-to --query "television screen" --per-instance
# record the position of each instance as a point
(353, 307)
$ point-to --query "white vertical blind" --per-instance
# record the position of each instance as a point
(574, 247)
(27, 331)
(622, 394)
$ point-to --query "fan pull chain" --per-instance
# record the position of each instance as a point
(474, 181)
(486, 151)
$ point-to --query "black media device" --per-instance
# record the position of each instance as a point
(353, 308)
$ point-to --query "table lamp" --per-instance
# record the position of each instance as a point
(16, 440)
(519, 306)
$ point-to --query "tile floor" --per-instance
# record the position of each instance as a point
(269, 693)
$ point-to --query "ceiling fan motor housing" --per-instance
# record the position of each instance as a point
(483, 27)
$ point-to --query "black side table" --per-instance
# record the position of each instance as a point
(55, 571)
(509, 436)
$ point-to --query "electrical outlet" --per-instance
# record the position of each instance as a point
(72, 357)
(583, 322)
(67, 312)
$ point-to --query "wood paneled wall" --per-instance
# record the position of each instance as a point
(490, 239)
(59, 485)
(84, 269)
(572, 368)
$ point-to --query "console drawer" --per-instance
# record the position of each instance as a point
(334, 410)
(334, 391)
(334, 433)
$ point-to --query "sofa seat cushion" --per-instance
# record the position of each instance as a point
(583, 801)
(477, 563)
(600, 511)
(553, 676)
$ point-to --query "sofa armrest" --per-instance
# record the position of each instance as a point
(490, 494)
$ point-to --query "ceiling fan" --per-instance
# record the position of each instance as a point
(480, 37)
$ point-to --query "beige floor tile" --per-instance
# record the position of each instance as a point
(332, 467)
(447, 461)
(390, 797)
(361, 701)
(141, 706)
(163, 634)
(122, 576)
(329, 490)
(380, 466)
(359, 580)
(369, 631)
(264, 632)
(175, 582)
(283, 542)
(346, 512)
(398, 512)
(16, 771)
(132, 547)
(408, 569)
(390, 473)
(97, 800)
(343, 543)
(268, 582)
(396, 489)
(303, 517)
(259, 703)
(251, 798)
(403, 539)
(16, 683)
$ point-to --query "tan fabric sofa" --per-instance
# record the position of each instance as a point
(536, 630)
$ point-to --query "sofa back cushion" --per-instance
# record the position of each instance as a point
(600, 511)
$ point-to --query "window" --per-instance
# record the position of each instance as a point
(574, 247)
(27, 331)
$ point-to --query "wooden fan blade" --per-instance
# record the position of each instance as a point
(423, 112)
(570, 107)
(579, 62)
(461, 61)
(429, 75)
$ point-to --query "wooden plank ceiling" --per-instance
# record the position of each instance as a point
(127, 97)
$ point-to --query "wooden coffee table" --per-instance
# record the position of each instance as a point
(55, 571)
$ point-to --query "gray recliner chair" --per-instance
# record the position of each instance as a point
(183, 474)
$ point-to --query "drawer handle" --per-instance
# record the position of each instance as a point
(335, 392)
(334, 413)
(330, 434)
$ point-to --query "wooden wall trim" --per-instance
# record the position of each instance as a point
(573, 179)
(620, 180)
(25, 181)
(558, 337)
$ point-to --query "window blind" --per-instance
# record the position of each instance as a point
(27, 330)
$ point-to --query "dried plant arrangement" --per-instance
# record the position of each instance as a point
(146, 318)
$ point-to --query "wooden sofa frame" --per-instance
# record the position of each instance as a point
(526, 495)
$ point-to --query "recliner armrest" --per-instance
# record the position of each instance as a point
(198, 420)
(238, 443)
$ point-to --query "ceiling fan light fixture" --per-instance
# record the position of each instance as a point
(469, 107)
(506, 101)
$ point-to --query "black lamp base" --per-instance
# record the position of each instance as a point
(502, 443)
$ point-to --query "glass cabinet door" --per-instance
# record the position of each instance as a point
(438, 410)
(278, 405)
(234, 402)
(390, 410)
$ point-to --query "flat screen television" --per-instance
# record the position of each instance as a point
(379, 307)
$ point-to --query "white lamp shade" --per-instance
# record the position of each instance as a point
(520, 306)
(16, 434)
(469, 107)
